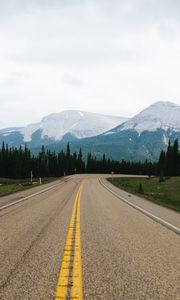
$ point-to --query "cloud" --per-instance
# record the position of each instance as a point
(80, 54)
(72, 80)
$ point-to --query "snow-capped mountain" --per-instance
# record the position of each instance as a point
(140, 138)
(55, 127)
(80, 124)
(160, 115)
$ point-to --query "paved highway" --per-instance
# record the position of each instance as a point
(77, 240)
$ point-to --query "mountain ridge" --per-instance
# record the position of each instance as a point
(139, 138)
(130, 142)
(161, 114)
(56, 126)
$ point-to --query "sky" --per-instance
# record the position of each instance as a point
(112, 57)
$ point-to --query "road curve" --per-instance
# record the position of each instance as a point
(80, 240)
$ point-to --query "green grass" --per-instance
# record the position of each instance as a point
(10, 186)
(166, 193)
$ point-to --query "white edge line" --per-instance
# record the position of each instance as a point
(30, 196)
(145, 212)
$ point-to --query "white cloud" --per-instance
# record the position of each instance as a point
(104, 56)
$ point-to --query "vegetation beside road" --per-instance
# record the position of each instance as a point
(165, 193)
(10, 186)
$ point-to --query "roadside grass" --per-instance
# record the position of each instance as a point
(166, 193)
(10, 186)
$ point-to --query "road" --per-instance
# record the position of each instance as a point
(77, 240)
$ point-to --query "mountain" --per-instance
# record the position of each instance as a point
(139, 138)
(142, 137)
(160, 115)
(63, 126)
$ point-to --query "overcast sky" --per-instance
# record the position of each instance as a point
(113, 57)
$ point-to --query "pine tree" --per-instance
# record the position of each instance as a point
(169, 160)
(175, 158)
(162, 165)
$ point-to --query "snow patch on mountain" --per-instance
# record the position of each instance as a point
(81, 114)
(6, 134)
(165, 139)
(29, 130)
(108, 133)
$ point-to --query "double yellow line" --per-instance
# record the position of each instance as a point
(70, 279)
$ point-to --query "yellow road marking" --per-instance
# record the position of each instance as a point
(74, 227)
(76, 291)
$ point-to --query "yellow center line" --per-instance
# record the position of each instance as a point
(64, 277)
(76, 291)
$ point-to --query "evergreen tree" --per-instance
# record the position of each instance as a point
(175, 158)
(169, 160)
(162, 165)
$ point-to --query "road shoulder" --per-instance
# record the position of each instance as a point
(164, 213)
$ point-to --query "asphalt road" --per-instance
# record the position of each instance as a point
(78, 240)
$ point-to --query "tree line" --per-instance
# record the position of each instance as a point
(20, 162)
(124, 167)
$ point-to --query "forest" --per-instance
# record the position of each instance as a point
(20, 162)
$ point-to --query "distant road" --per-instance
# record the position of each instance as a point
(77, 240)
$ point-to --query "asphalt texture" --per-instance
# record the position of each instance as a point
(125, 254)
